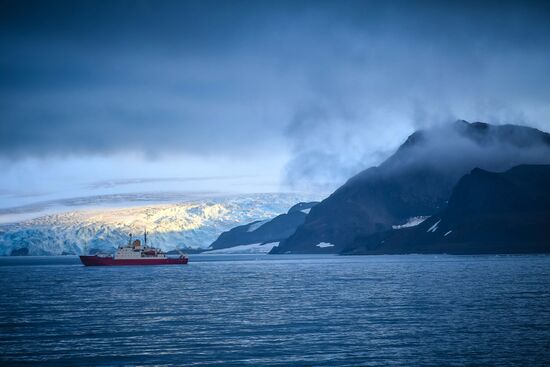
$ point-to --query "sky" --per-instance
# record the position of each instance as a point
(107, 97)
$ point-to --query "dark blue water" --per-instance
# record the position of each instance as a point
(275, 311)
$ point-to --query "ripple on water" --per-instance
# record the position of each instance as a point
(282, 310)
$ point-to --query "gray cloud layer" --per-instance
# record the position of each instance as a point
(338, 83)
(105, 184)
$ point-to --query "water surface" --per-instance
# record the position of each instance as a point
(278, 310)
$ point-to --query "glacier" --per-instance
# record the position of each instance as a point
(254, 248)
(190, 224)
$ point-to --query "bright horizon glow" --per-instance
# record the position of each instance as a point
(34, 180)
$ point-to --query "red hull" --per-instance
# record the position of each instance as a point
(109, 261)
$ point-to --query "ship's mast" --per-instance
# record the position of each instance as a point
(147, 213)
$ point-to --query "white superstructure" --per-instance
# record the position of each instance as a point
(134, 250)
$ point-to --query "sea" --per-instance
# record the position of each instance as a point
(278, 310)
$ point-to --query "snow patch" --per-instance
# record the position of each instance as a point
(305, 211)
(324, 244)
(411, 222)
(448, 233)
(254, 248)
(255, 226)
(434, 227)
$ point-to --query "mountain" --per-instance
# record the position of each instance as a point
(195, 224)
(415, 181)
(266, 231)
(487, 213)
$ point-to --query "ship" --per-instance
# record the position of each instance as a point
(134, 254)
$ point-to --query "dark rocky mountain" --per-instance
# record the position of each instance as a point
(487, 213)
(415, 181)
(274, 230)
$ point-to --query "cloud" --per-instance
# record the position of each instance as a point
(453, 147)
(106, 184)
(337, 84)
(415, 69)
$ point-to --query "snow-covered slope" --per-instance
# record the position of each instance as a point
(255, 248)
(266, 231)
(193, 224)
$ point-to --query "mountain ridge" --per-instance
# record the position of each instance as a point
(415, 181)
(488, 212)
(268, 231)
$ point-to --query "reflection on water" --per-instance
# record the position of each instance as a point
(278, 310)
